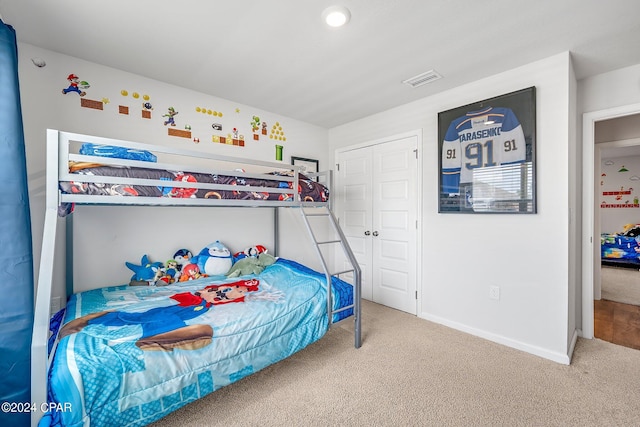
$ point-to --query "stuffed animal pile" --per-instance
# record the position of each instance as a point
(215, 259)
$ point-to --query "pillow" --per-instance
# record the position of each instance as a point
(251, 251)
(89, 149)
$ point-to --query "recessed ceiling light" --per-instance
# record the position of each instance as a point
(336, 16)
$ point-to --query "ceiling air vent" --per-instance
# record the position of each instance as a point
(423, 79)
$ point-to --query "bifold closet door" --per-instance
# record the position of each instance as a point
(394, 224)
(355, 209)
(378, 189)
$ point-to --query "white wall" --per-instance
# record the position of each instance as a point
(526, 255)
(44, 106)
(574, 297)
(626, 127)
(608, 90)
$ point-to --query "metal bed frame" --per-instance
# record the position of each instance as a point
(60, 152)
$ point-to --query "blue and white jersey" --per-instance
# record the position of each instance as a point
(490, 137)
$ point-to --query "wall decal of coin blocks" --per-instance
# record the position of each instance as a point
(90, 103)
(179, 132)
(227, 141)
(146, 114)
(123, 109)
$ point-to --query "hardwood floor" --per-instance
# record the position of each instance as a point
(617, 323)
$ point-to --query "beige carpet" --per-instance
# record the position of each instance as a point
(620, 285)
(411, 372)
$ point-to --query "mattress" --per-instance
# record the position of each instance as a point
(309, 190)
(112, 373)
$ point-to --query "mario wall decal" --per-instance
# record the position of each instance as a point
(75, 85)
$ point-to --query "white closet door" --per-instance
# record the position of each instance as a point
(394, 230)
(377, 207)
(355, 212)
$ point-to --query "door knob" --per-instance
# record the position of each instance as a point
(375, 233)
(366, 233)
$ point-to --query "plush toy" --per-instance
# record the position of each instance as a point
(168, 274)
(146, 273)
(252, 251)
(191, 272)
(163, 278)
(171, 269)
(215, 259)
(182, 257)
(251, 265)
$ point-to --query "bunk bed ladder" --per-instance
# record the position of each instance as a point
(325, 212)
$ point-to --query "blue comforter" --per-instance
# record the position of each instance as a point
(109, 372)
(615, 246)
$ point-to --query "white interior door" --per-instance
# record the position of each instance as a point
(394, 230)
(377, 207)
(355, 209)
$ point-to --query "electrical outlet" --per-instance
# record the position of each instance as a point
(494, 292)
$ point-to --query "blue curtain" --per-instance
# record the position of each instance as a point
(16, 259)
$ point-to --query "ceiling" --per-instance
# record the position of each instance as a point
(280, 57)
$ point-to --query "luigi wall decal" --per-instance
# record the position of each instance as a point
(171, 113)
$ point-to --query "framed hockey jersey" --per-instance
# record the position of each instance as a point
(487, 155)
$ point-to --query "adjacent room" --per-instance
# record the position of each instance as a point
(617, 296)
(354, 213)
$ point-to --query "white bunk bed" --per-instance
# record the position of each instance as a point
(62, 151)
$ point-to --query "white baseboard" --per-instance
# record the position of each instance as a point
(564, 359)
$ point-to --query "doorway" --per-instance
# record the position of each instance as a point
(617, 292)
(591, 264)
(377, 203)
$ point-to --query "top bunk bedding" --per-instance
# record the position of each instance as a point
(94, 170)
(243, 188)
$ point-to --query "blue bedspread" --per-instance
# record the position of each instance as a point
(615, 246)
(102, 375)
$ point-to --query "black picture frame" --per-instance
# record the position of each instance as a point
(310, 165)
(487, 156)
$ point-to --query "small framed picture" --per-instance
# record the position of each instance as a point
(308, 165)
(487, 156)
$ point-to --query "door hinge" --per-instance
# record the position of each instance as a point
(416, 151)
(338, 167)
(416, 294)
